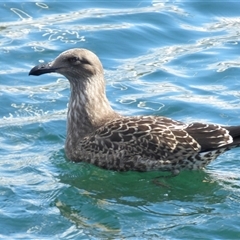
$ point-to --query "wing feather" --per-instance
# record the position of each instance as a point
(155, 138)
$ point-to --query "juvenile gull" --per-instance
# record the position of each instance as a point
(100, 136)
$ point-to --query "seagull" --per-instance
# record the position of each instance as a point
(100, 136)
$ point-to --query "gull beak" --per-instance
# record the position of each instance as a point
(42, 69)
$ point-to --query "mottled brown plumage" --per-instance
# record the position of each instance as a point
(98, 135)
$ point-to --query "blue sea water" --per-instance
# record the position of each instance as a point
(177, 59)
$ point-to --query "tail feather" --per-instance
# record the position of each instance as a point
(234, 131)
(212, 137)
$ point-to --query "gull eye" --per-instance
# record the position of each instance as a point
(74, 59)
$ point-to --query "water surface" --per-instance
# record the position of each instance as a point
(179, 60)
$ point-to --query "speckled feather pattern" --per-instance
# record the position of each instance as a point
(151, 143)
(100, 136)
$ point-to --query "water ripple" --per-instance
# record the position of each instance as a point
(173, 59)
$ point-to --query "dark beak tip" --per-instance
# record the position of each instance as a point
(34, 71)
(31, 72)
